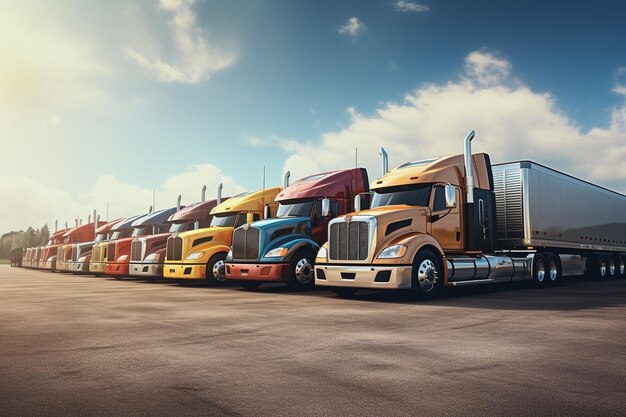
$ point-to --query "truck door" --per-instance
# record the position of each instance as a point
(319, 229)
(445, 222)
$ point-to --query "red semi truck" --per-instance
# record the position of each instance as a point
(284, 248)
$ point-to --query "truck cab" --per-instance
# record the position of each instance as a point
(100, 250)
(82, 252)
(200, 254)
(119, 251)
(81, 234)
(148, 253)
(283, 248)
(49, 252)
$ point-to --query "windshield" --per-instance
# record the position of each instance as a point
(411, 195)
(138, 231)
(100, 237)
(180, 227)
(225, 221)
(120, 234)
(295, 209)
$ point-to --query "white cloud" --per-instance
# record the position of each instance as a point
(512, 122)
(619, 89)
(354, 27)
(409, 6)
(43, 203)
(197, 57)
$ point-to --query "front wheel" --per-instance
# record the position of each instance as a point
(216, 270)
(427, 276)
(301, 271)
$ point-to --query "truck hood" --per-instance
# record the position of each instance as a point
(286, 225)
(402, 218)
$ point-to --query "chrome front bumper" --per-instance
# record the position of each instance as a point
(145, 270)
(367, 276)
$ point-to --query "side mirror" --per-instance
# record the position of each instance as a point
(325, 207)
(249, 217)
(450, 192)
(357, 203)
(267, 212)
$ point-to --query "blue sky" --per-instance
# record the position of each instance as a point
(109, 100)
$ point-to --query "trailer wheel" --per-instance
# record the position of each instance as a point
(553, 270)
(215, 269)
(427, 276)
(301, 270)
(621, 266)
(540, 270)
(344, 292)
(596, 267)
(611, 267)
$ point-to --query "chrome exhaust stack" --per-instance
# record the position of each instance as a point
(56, 226)
(203, 194)
(469, 169)
(384, 161)
(150, 210)
(219, 193)
(286, 179)
(178, 202)
(95, 223)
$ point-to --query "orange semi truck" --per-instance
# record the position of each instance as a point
(48, 255)
(82, 252)
(100, 250)
(147, 254)
(118, 251)
(200, 254)
(283, 249)
(459, 220)
(82, 233)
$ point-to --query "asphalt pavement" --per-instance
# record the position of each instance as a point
(81, 345)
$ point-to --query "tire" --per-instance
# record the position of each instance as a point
(597, 267)
(344, 292)
(427, 276)
(250, 285)
(611, 266)
(215, 270)
(540, 270)
(301, 270)
(621, 266)
(554, 272)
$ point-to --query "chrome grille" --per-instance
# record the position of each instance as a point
(135, 250)
(74, 253)
(246, 243)
(111, 252)
(96, 253)
(349, 241)
(174, 249)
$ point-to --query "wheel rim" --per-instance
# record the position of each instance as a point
(218, 271)
(553, 271)
(612, 267)
(304, 271)
(602, 268)
(427, 275)
(621, 267)
(541, 271)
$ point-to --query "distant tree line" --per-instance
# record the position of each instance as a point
(23, 239)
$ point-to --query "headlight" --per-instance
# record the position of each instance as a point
(323, 253)
(395, 251)
(277, 253)
(194, 255)
(122, 258)
(82, 259)
(153, 257)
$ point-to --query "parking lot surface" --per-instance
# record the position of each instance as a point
(81, 345)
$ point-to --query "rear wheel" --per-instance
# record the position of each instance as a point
(427, 275)
(621, 266)
(597, 266)
(344, 292)
(215, 269)
(540, 270)
(553, 269)
(301, 271)
(611, 266)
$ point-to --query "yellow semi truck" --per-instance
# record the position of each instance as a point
(200, 254)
